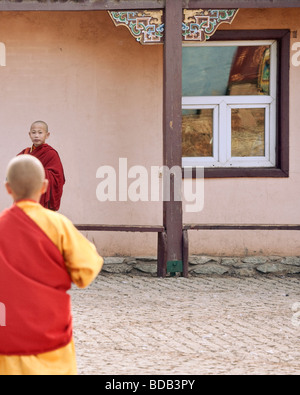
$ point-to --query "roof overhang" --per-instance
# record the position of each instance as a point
(241, 3)
(110, 5)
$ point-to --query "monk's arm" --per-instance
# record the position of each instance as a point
(81, 257)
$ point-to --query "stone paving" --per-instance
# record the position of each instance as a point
(133, 325)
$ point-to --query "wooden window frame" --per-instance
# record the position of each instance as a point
(281, 168)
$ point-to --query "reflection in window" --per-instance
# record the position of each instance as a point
(197, 136)
(250, 71)
(248, 132)
(227, 70)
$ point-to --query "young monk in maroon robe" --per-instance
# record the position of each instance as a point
(50, 159)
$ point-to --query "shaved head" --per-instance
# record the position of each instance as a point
(25, 176)
(39, 133)
(45, 126)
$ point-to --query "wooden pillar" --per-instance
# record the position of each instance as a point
(172, 130)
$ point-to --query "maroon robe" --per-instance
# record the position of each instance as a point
(33, 287)
(54, 173)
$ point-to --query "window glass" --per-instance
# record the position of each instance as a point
(248, 132)
(226, 70)
(197, 126)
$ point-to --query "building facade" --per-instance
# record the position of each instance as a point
(118, 111)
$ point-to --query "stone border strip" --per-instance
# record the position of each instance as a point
(209, 266)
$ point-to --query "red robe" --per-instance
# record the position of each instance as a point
(33, 288)
(54, 173)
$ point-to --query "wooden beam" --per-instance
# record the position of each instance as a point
(186, 253)
(121, 228)
(241, 227)
(172, 123)
(240, 3)
(111, 5)
(80, 5)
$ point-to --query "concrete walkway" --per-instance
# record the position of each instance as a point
(133, 325)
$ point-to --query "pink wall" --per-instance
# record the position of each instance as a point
(101, 93)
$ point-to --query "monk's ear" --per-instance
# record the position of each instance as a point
(48, 135)
(45, 186)
(8, 188)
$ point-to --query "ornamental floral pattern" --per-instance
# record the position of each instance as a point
(147, 27)
(200, 25)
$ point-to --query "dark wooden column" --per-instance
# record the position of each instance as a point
(172, 134)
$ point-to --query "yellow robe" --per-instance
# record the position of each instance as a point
(83, 264)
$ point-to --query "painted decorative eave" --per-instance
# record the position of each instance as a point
(200, 25)
(114, 5)
(147, 27)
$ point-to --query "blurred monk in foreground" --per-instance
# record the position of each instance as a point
(41, 254)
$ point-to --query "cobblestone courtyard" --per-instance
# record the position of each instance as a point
(133, 325)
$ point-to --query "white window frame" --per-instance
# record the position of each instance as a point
(222, 106)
